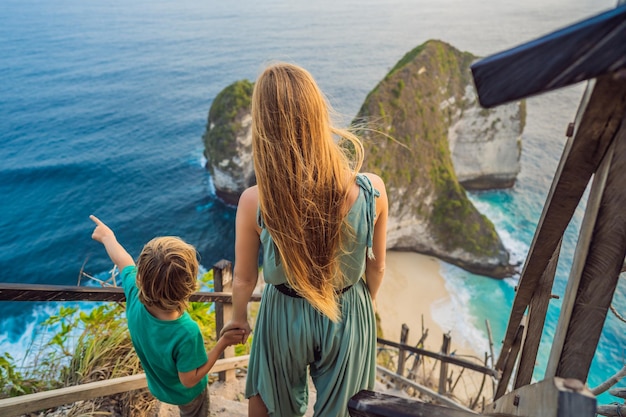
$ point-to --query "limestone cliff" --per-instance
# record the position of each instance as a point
(486, 144)
(427, 123)
(409, 116)
(228, 141)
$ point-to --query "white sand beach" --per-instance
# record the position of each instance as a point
(412, 289)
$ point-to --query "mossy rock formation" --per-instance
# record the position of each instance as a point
(422, 111)
(408, 115)
(228, 141)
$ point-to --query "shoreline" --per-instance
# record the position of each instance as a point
(414, 292)
(411, 293)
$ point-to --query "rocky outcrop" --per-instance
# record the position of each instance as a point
(228, 142)
(486, 144)
(409, 116)
(424, 123)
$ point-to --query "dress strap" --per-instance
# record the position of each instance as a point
(370, 201)
(259, 218)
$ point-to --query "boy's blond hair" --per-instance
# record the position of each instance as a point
(167, 271)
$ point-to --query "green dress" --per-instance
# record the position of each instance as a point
(291, 338)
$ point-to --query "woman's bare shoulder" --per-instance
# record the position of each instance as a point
(250, 193)
(249, 198)
(377, 182)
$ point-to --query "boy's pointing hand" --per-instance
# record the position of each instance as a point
(102, 231)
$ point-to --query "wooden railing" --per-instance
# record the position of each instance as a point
(225, 366)
(418, 383)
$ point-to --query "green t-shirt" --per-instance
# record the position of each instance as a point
(164, 347)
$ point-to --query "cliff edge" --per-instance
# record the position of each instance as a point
(405, 123)
(425, 134)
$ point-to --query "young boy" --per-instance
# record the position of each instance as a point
(168, 342)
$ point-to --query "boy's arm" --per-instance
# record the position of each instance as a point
(103, 234)
(231, 337)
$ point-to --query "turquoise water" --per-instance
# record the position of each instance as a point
(104, 103)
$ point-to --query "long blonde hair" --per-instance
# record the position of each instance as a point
(304, 177)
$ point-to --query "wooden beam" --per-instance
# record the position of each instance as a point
(443, 367)
(614, 379)
(584, 50)
(554, 397)
(580, 257)
(602, 266)
(35, 292)
(617, 392)
(535, 323)
(444, 358)
(510, 361)
(599, 117)
(404, 336)
(613, 410)
(375, 404)
(17, 406)
(222, 281)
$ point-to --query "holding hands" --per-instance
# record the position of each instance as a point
(240, 328)
(233, 337)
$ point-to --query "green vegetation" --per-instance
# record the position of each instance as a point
(223, 122)
(458, 223)
(73, 347)
(409, 147)
(409, 57)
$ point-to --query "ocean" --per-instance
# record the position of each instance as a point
(103, 105)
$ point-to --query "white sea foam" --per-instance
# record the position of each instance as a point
(19, 347)
(453, 314)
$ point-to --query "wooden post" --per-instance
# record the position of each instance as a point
(490, 337)
(601, 109)
(509, 360)
(536, 319)
(443, 367)
(493, 357)
(578, 264)
(413, 371)
(552, 397)
(600, 273)
(404, 334)
(223, 282)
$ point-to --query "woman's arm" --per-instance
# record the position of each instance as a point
(246, 271)
(375, 268)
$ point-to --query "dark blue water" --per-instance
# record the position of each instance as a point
(103, 105)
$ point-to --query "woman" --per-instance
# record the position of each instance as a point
(322, 227)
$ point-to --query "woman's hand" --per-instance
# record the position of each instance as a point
(237, 324)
